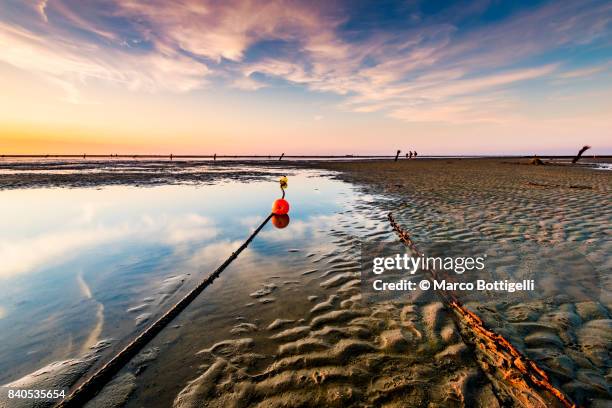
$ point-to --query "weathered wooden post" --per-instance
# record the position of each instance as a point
(579, 155)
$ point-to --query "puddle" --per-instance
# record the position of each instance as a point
(83, 265)
(284, 324)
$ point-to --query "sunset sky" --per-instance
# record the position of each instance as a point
(329, 77)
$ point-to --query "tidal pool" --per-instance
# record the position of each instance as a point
(84, 268)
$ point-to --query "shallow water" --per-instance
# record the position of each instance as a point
(82, 265)
(285, 324)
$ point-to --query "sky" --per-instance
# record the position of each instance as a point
(311, 77)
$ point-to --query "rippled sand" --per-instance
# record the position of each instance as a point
(307, 338)
(395, 354)
(496, 200)
(340, 352)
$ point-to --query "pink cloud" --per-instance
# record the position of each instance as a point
(72, 64)
(221, 30)
(408, 71)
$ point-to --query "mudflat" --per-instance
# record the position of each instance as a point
(550, 349)
(305, 336)
(531, 207)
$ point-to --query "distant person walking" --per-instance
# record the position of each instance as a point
(410, 153)
(415, 154)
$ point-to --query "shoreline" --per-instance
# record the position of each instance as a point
(456, 199)
(142, 173)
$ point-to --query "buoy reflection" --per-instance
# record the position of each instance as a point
(280, 221)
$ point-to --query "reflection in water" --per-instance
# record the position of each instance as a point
(285, 324)
(97, 264)
(280, 221)
(94, 335)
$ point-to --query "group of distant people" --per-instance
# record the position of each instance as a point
(410, 154)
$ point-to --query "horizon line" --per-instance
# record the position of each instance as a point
(278, 157)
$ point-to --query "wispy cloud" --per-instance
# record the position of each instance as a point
(70, 61)
(219, 30)
(437, 72)
(581, 73)
(28, 254)
(41, 6)
(246, 83)
(429, 69)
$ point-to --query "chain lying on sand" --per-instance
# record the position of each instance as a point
(528, 384)
(94, 384)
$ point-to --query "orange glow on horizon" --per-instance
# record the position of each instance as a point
(291, 79)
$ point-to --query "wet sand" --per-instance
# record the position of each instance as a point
(508, 201)
(99, 173)
(340, 351)
(307, 338)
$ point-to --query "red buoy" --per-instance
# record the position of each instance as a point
(280, 207)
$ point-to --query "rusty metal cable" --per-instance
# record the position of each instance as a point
(519, 370)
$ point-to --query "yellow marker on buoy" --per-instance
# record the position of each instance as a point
(281, 206)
